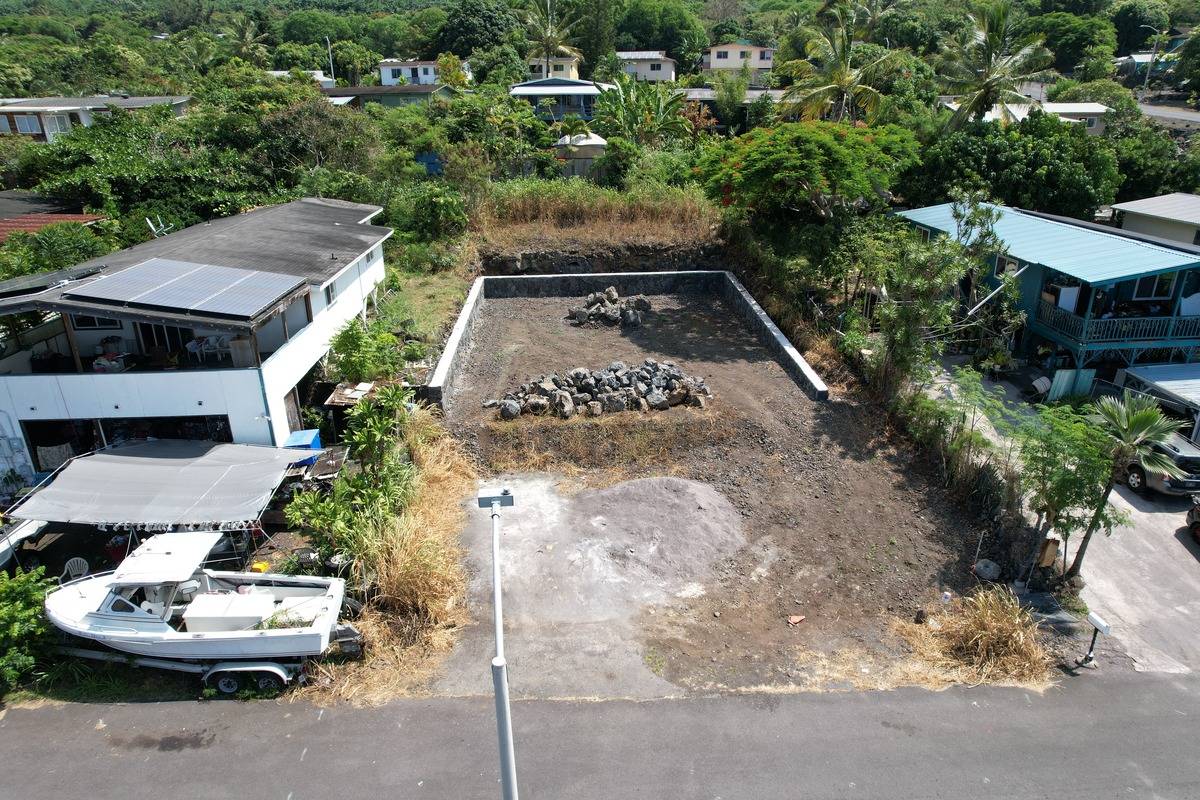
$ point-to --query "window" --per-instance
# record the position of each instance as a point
(331, 293)
(58, 123)
(1196, 238)
(558, 67)
(1155, 287)
(397, 73)
(424, 70)
(1005, 265)
(923, 233)
(122, 606)
(654, 67)
(1090, 122)
(764, 55)
(743, 54)
(722, 54)
(28, 124)
(4, 126)
(84, 322)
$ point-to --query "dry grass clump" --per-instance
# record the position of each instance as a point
(420, 562)
(417, 566)
(572, 202)
(983, 638)
(617, 441)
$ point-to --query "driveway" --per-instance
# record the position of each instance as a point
(1145, 581)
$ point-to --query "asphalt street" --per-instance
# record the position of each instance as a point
(1093, 736)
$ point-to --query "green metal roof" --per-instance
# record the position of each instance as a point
(1083, 252)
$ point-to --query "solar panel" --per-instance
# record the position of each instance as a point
(184, 286)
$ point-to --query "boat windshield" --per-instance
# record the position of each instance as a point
(153, 601)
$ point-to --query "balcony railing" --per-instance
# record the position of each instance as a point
(1116, 329)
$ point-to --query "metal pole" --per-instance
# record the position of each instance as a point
(329, 52)
(1150, 66)
(504, 735)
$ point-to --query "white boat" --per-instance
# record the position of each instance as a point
(162, 602)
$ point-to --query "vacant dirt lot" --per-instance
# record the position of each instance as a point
(840, 523)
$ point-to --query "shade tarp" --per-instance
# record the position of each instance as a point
(163, 483)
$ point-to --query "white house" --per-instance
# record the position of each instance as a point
(1170, 216)
(396, 71)
(647, 65)
(560, 67)
(734, 55)
(318, 76)
(44, 118)
(204, 333)
(560, 97)
(1090, 115)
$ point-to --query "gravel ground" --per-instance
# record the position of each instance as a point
(844, 524)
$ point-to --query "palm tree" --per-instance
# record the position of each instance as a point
(870, 14)
(827, 81)
(551, 32)
(989, 66)
(646, 113)
(244, 40)
(1136, 428)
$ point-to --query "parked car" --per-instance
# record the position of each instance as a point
(1185, 454)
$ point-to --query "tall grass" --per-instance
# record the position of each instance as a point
(576, 202)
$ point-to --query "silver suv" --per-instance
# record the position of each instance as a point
(1182, 452)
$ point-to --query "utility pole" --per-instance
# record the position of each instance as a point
(1150, 66)
(329, 52)
(508, 756)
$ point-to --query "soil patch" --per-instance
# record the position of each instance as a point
(844, 524)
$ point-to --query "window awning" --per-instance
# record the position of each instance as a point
(163, 484)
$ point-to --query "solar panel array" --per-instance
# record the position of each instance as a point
(183, 286)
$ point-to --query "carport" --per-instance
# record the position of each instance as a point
(1177, 387)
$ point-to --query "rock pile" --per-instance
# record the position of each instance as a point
(609, 307)
(643, 387)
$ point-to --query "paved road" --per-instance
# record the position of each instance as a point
(1171, 113)
(1095, 736)
(1145, 581)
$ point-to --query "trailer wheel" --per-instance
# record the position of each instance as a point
(227, 683)
(268, 682)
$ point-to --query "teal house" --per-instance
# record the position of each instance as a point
(1095, 297)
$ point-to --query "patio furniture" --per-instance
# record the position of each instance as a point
(1038, 391)
(75, 568)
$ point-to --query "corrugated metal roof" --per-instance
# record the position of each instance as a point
(1177, 206)
(1085, 253)
(1181, 381)
(643, 55)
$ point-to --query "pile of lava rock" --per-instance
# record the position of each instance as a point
(608, 307)
(647, 386)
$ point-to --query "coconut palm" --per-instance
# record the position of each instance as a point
(643, 112)
(870, 14)
(1136, 428)
(551, 32)
(245, 41)
(988, 65)
(827, 81)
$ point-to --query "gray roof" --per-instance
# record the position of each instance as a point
(1177, 207)
(315, 238)
(404, 88)
(94, 102)
(644, 55)
(18, 202)
(312, 239)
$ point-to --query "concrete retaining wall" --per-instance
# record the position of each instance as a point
(720, 283)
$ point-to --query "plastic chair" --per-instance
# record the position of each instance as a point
(75, 568)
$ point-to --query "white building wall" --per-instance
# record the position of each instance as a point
(644, 70)
(284, 369)
(1164, 228)
(235, 393)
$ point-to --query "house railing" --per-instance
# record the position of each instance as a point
(1116, 329)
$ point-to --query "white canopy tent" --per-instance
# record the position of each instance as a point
(163, 485)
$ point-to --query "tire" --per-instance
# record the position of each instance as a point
(268, 682)
(227, 683)
(1135, 479)
(351, 608)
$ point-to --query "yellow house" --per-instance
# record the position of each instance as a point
(560, 67)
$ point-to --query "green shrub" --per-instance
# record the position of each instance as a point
(429, 211)
(24, 630)
(363, 352)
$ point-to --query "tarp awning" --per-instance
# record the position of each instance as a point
(163, 483)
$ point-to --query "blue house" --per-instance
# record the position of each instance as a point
(1103, 297)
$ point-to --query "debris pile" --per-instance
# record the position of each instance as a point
(643, 387)
(610, 308)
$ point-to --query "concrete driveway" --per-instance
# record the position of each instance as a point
(1145, 581)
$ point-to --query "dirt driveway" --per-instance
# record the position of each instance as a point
(840, 523)
(1145, 581)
